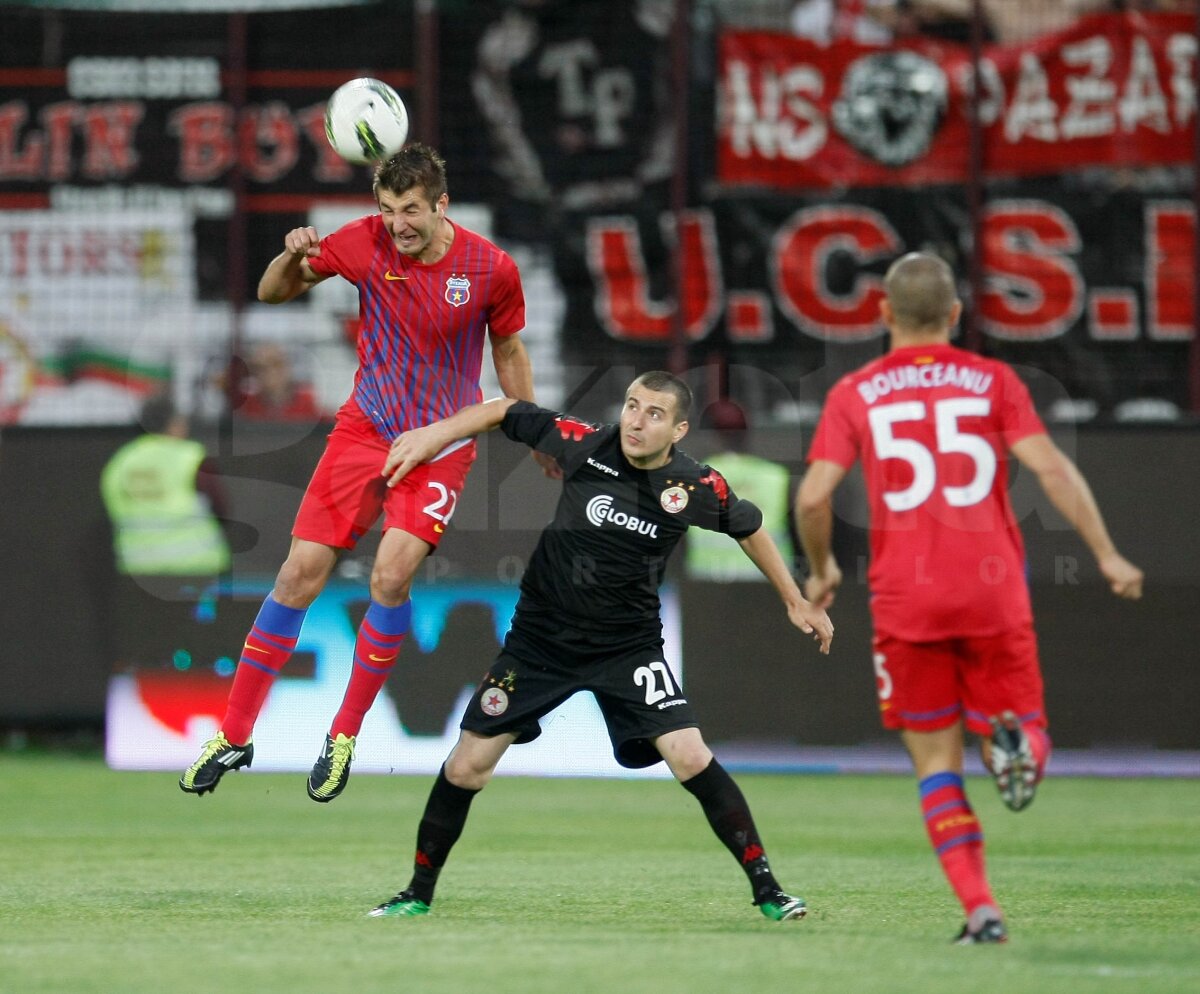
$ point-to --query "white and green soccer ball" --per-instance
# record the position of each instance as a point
(365, 120)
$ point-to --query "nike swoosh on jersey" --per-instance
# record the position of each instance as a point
(389, 275)
(380, 659)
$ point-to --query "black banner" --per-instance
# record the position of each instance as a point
(560, 117)
(130, 105)
(1090, 284)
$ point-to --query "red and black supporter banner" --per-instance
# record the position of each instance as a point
(1113, 90)
(139, 104)
(1092, 286)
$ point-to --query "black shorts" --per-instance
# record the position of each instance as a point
(533, 674)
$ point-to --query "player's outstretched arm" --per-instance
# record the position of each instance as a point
(288, 275)
(813, 513)
(421, 444)
(1069, 492)
(809, 618)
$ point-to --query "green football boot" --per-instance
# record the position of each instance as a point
(403, 905)
(781, 907)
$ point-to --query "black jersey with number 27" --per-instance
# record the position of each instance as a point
(601, 560)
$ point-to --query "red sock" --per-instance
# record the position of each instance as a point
(380, 637)
(267, 649)
(957, 838)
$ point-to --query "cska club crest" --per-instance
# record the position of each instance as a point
(673, 499)
(458, 290)
(493, 702)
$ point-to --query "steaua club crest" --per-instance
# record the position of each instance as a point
(494, 702)
(673, 499)
(458, 290)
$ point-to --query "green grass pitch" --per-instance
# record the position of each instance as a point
(121, 884)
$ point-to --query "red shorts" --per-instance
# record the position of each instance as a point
(926, 686)
(347, 493)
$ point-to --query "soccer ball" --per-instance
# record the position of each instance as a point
(365, 120)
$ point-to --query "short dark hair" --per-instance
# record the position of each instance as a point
(414, 165)
(157, 414)
(663, 382)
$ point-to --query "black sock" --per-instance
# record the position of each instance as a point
(727, 812)
(441, 825)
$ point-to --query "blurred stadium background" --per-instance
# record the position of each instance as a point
(711, 186)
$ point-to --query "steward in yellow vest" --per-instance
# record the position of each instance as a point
(162, 523)
(711, 555)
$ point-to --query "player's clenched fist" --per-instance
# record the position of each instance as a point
(302, 241)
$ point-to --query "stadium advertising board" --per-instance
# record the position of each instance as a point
(169, 694)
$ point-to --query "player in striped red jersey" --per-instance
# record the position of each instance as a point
(954, 644)
(432, 294)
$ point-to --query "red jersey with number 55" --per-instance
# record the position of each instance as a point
(932, 426)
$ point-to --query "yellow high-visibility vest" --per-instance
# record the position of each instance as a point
(713, 556)
(162, 525)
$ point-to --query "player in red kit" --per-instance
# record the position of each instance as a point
(431, 295)
(954, 646)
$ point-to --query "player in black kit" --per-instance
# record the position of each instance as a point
(588, 615)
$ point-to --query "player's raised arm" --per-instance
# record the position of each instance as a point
(421, 444)
(288, 275)
(812, 620)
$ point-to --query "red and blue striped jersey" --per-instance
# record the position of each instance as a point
(422, 327)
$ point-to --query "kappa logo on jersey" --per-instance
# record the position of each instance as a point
(600, 511)
(673, 499)
(573, 430)
(600, 466)
(719, 487)
(458, 290)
